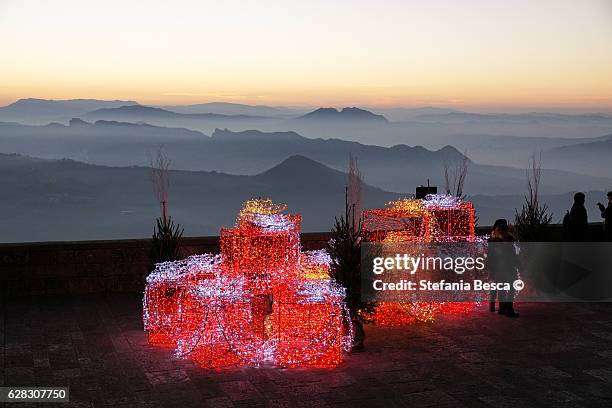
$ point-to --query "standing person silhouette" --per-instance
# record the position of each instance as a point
(606, 214)
(576, 220)
(503, 262)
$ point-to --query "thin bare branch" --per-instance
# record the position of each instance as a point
(454, 178)
(160, 177)
(447, 182)
(354, 189)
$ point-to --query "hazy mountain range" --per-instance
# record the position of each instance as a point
(42, 111)
(499, 118)
(224, 108)
(296, 155)
(398, 168)
(592, 157)
(429, 126)
(516, 150)
(163, 117)
(69, 200)
(404, 114)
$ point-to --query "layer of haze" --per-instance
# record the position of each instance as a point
(488, 55)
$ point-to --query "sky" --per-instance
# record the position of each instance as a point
(480, 55)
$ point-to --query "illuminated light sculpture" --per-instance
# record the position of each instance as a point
(453, 218)
(437, 218)
(261, 301)
(404, 220)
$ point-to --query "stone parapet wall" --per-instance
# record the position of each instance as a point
(81, 267)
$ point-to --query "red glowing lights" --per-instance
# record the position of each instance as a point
(437, 218)
(262, 301)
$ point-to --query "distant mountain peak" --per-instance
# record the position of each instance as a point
(298, 167)
(320, 111)
(346, 114)
(43, 111)
(452, 153)
(232, 109)
(134, 109)
(252, 135)
(300, 160)
(41, 101)
(78, 122)
(356, 111)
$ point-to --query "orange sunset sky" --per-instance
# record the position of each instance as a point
(479, 55)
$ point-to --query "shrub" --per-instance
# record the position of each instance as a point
(166, 240)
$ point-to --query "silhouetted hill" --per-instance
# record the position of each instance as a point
(397, 168)
(225, 108)
(163, 117)
(594, 157)
(511, 151)
(603, 144)
(41, 111)
(144, 113)
(302, 170)
(381, 166)
(70, 200)
(78, 122)
(403, 114)
(226, 135)
(530, 118)
(430, 127)
(66, 200)
(344, 115)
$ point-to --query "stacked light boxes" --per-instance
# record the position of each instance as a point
(437, 218)
(261, 301)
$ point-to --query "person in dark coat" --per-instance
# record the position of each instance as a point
(577, 222)
(606, 214)
(502, 263)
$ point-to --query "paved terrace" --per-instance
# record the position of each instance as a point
(553, 355)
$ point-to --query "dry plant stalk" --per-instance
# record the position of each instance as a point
(454, 178)
(534, 174)
(161, 181)
(354, 190)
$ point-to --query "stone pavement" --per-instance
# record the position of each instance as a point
(557, 355)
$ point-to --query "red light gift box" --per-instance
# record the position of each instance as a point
(404, 220)
(167, 293)
(262, 301)
(453, 218)
(437, 218)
